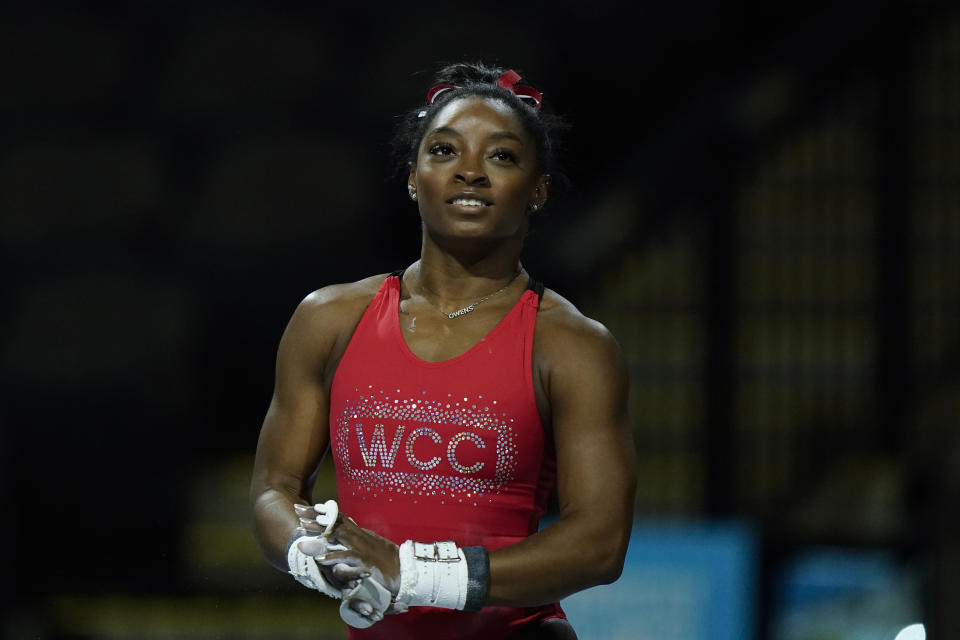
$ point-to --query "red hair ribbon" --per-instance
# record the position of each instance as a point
(507, 81)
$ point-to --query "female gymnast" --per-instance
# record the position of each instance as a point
(454, 396)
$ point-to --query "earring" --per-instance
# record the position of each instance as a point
(412, 192)
(534, 207)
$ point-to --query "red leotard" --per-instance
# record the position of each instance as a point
(450, 450)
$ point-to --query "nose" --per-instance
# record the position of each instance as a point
(470, 172)
(473, 178)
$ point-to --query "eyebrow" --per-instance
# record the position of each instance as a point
(496, 135)
(509, 135)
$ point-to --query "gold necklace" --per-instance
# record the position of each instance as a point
(470, 307)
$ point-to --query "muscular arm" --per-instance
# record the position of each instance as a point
(587, 392)
(295, 432)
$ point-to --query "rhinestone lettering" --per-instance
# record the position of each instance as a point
(378, 445)
(452, 452)
(412, 459)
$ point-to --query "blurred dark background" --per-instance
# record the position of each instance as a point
(764, 208)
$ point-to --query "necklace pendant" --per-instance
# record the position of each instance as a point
(465, 310)
(461, 312)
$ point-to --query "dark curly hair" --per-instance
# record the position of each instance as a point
(477, 79)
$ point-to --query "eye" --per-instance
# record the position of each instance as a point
(441, 149)
(504, 155)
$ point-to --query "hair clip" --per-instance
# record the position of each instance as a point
(437, 90)
(508, 80)
(527, 94)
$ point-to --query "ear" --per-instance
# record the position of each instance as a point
(540, 192)
(412, 181)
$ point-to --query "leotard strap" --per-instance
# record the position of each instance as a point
(537, 287)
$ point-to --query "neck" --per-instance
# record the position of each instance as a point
(456, 276)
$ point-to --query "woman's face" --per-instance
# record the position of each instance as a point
(476, 171)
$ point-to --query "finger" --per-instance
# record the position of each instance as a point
(332, 580)
(312, 546)
(345, 557)
(362, 607)
(330, 559)
(345, 573)
(304, 511)
(311, 525)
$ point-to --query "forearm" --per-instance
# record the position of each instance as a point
(574, 554)
(556, 562)
(275, 522)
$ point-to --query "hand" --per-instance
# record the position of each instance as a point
(319, 518)
(367, 554)
(316, 524)
(365, 599)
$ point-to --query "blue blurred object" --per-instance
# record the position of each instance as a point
(681, 581)
(844, 594)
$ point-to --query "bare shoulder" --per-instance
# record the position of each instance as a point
(342, 298)
(578, 362)
(564, 328)
(330, 314)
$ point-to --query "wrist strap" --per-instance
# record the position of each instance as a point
(439, 574)
(478, 577)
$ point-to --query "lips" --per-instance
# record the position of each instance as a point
(469, 201)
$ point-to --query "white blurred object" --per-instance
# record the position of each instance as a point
(327, 515)
(913, 632)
